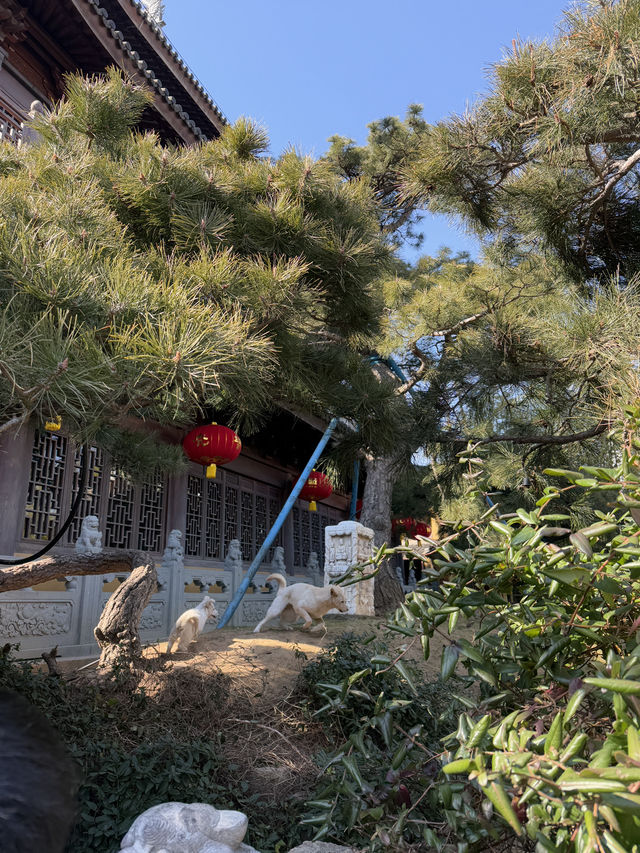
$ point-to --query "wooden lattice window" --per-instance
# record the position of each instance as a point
(46, 490)
(92, 501)
(151, 515)
(229, 507)
(120, 511)
(247, 525)
(129, 515)
(308, 532)
(213, 527)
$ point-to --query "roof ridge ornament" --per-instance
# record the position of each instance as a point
(155, 9)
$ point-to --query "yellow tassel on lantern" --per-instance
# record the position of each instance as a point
(313, 506)
(211, 472)
(54, 426)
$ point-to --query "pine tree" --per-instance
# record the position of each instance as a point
(144, 282)
(531, 351)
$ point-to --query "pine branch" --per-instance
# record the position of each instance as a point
(541, 440)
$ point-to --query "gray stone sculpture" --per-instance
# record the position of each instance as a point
(187, 828)
(233, 560)
(29, 135)
(313, 566)
(173, 557)
(278, 563)
(90, 539)
(155, 8)
(172, 560)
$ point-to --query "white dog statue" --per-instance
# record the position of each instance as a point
(190, 624)
(90, 539)
(302, 601)
(187, 828)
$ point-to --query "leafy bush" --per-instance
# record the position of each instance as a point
(138, 749)
(390, 724)
(551, 746)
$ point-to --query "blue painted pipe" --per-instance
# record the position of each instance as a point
(354, 489)
(277, 524)
(391, 363)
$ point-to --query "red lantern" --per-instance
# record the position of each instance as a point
(404, 525)
(212, 445)
(317, 488)
(422, 529)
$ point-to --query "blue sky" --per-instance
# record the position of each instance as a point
(308, 69)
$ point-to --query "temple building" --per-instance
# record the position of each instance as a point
(40, 42)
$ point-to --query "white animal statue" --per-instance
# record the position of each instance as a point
(187, 828)
(278, 559)
(233, 560)
(90, 539)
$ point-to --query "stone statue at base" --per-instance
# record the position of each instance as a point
(172, 559)
(90, 539)
(187, 828)
(278, 564)
(233, 560)
(348, 544)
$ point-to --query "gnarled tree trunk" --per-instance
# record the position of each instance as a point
(376, 514)
(117, 630)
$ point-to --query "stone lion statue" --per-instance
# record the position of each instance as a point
(233, 560)
(278, 560)
(90, 539)
(187, 828)
(174, 544)
(312, 563)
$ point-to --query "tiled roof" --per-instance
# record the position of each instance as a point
(154, 81)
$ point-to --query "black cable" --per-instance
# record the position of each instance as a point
(74, 508)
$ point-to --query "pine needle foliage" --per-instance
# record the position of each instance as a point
(534, 347)
(141, 280)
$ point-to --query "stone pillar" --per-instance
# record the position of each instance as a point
(346, 545)
(15, 459)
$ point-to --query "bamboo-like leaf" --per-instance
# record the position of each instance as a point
(616, 685)
(501, 802)
(448, 661)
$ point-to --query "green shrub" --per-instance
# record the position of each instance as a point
(550, 750)
(136, 750)
(388, 727)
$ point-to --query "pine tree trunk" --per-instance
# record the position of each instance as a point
(376, 514)
(117, 630)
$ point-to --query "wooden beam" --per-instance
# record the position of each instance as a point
(94, 22)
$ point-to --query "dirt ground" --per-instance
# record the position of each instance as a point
(269, 735)
(266, 665)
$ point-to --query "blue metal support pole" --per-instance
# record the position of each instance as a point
(354, 489)
(277, 524)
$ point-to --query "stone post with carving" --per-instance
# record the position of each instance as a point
(347, 544)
